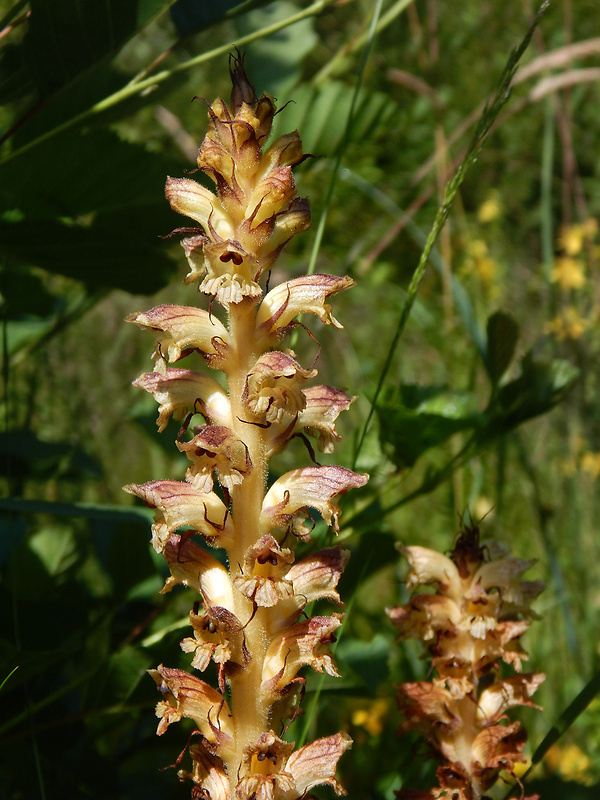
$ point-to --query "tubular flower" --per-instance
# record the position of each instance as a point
(475, 617)
(246, 619)
(274, 386)
(180, 392)
(179, 330)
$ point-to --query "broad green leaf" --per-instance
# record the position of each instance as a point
(65, 38)
(20, 332)
(368, 660)
(44, 562)
(25, 295)
(502, 336)
(147, 10)
(95, 210)
(541, 385)
(190, 16)
(374, 550)
(56, 549)
(129, 564)
(116, 251)
(418, 418)
(24, 453)
(118, 678)
(81, 173)
(30, 662)
(15, 81)
(12, 12)
(278, 63)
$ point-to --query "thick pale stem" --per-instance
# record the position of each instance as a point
(250, 711)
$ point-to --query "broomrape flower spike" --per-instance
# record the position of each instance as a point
(475, 618)
(247, 617)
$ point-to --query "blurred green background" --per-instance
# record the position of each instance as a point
(488, 408)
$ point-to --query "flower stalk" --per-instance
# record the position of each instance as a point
(471, 623)
(248, 618)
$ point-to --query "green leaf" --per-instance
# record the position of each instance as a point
(24, 453)
(421, 417)
(15, 81)
(568, 717)
(103, 513)
(25, 295)
(96, 209)
(8, 677)
(30, 663)
(278, 63)
(56, 550)
(117, 678)
(66, 38)
(317, 111)
(190, 16)
(113, 252)
(502, 336)
(368, 660)
(19, 333)
(84, 172)
(541, 385)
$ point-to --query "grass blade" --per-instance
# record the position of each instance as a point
(487, 119)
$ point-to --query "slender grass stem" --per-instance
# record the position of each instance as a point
(362, 39)
(345, 140)
(490, 113)
(546, 188)
(589, 692)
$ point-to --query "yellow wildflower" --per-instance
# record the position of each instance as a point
(490, 209)
(590, 463)
(572, 237)
(568, 325)
(480, 262)
(372, 717)
(568, 273)
(570, 762)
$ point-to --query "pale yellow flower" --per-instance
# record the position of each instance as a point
(572, 237)
(590, 463)
(571, 763)
(479, 261)
(568, 273)
(490, 209)
(372, 717)
(568, 325)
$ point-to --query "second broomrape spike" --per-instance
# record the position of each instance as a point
(474, 619)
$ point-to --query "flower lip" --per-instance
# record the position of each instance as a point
(304, 295)
(188, 696)
(216, 448)
(264, 576)
(274, 386)
(178, 504)
(315, 487)
(180, 392)
(180, 329)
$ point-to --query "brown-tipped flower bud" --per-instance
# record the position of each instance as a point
(255, 210)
